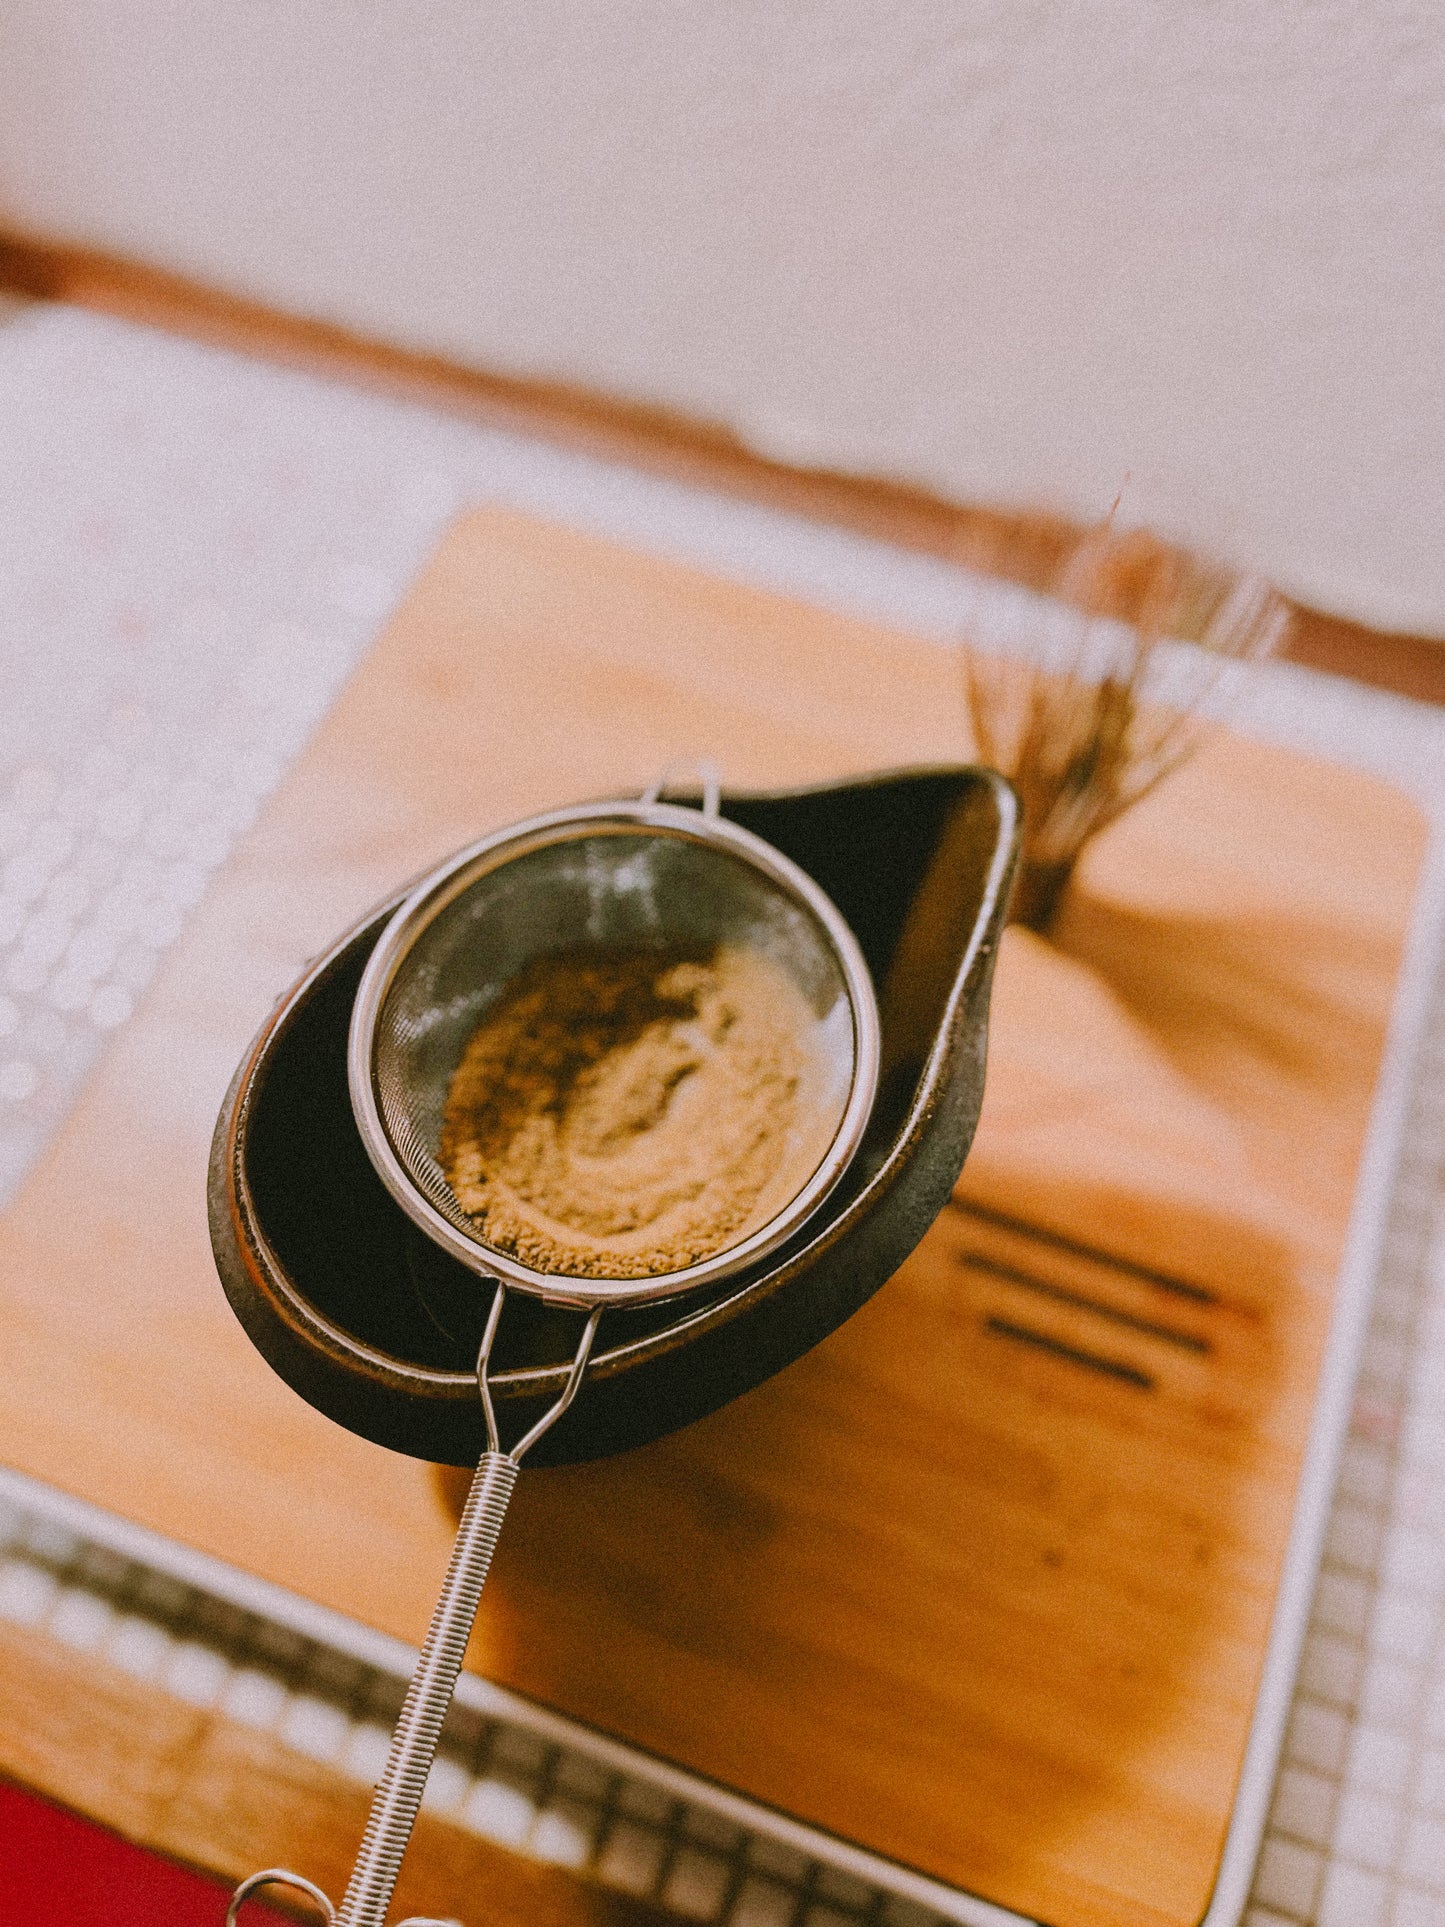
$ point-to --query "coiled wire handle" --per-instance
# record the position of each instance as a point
(414, 1740)
(398, 1794)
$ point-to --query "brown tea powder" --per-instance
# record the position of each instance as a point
(622, 1113)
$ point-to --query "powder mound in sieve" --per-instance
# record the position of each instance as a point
(628, 1111)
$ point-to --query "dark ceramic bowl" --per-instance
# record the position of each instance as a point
(377, 1327)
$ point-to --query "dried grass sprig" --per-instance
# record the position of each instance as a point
(1085, 738)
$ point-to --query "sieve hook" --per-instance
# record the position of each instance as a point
(706, 768)
(398, 1794)
(280, 1877)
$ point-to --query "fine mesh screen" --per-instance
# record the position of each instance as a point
(609, 888)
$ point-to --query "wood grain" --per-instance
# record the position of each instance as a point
(226, 1799)
(983, 1582)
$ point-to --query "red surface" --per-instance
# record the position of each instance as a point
(57, 1870)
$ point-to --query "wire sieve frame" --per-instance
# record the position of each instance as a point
(435, 1210)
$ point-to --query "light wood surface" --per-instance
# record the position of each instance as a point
(983, 1582)
(200, 1788)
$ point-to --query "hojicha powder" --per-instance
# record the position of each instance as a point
(623, 1113)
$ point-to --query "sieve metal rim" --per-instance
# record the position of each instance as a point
(440, 887)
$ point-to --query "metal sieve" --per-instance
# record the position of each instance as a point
(646, 873)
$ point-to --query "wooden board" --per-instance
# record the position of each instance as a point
(983, 1582)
